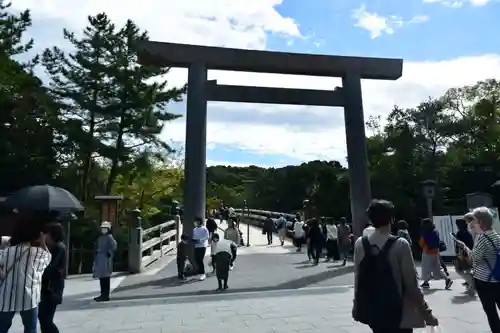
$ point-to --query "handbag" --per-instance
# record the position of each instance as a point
(442, 246)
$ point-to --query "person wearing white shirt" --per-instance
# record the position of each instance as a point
(299, 234)
(200, 240)
(21, 268)
(223, 255)
(331, 241)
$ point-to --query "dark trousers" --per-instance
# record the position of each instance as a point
(298, 242)
(105, 284)
(199, 256)
(28, 317)
(443, 266)
(399, 330)
(180, 267)
(332, 251)
(316, 250)
(46, 312)
(269, 237)
(489, 295)
(234, 253)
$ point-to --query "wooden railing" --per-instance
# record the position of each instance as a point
(148, 245)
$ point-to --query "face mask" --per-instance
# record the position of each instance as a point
(104, 231)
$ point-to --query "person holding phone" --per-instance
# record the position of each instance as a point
(21, 268)
(484, 259)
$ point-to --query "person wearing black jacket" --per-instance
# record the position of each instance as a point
(211, 226)
(268, 229)
(316, 240)
(53, 278)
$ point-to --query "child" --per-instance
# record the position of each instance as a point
(224, 248)
(182, 255)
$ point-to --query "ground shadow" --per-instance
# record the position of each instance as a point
(286, 287)
(208, 296)
(462, 299)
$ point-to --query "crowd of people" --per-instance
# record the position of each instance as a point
(388, 297)
(223, 250)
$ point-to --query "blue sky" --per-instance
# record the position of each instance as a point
(444, 43)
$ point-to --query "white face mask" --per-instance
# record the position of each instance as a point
(104, 231)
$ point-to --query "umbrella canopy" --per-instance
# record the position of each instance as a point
(43, 198)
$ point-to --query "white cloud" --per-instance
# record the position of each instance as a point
(302, 133)
(459, 3)
(238, 23)
(377, 24)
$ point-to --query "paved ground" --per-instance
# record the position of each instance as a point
(272, 289)
(310, 310)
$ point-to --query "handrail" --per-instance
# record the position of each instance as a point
(148, 245)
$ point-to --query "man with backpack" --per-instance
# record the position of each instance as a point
(387, 295)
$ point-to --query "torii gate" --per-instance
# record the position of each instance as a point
(200, 59)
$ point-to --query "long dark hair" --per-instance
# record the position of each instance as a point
(28, 226)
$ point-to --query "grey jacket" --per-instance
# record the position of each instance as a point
(103, 261)
(415, 308)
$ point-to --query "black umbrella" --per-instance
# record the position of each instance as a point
(43, 198)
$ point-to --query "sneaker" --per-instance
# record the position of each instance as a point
(202, 277)
(425, 285)
(448, 284)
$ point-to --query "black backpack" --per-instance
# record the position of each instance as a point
(379, 304)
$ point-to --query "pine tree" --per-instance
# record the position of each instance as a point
(113, 109)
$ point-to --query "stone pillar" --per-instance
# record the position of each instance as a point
(135, 250)
(357, 157)
(196, 145)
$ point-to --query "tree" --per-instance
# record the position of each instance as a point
(113, 110)
(28, 112)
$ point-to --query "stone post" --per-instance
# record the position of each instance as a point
(135, 243)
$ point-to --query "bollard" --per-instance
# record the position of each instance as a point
(135, 250)
(135, 243)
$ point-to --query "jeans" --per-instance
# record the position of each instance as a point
(28, 317)
(343, 251)
(199, 256)
(105, 284)
(46, 312)
(489, 295)
(282, 234)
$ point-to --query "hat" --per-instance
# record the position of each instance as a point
(106, 224)
(468, 217)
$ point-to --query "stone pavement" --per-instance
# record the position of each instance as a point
(308, 310)
(272, 289)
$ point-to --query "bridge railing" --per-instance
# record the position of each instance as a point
(257, 217)
(148, 245)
